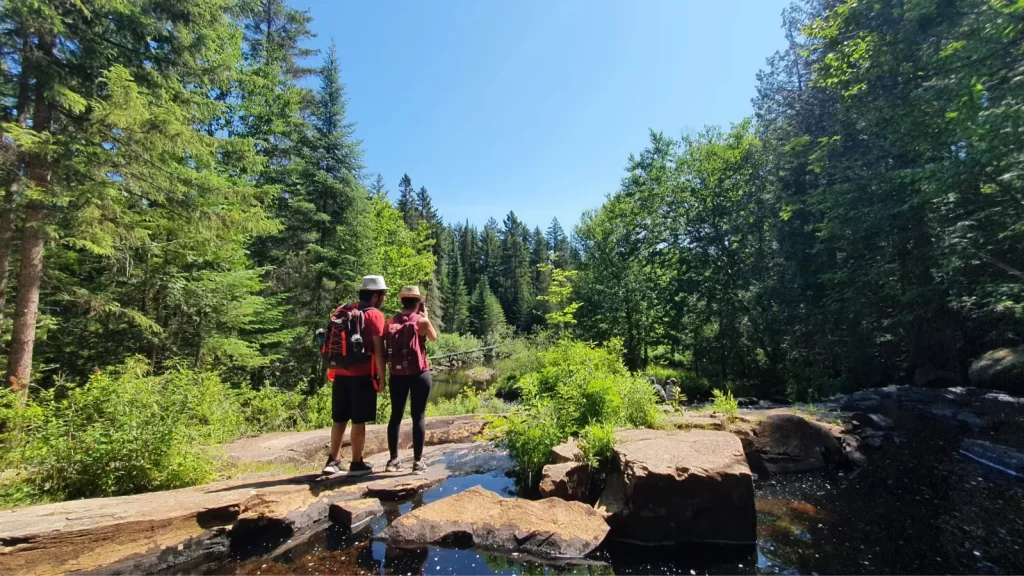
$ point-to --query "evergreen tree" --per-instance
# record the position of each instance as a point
(378, 189)
(490, 254)
(558, 244)
(428, 215)
(274, 32)
(515, 289)
(469, 253)
(486, 318)
(540, 278)
(436, 305)
(407, 202)
(456, 296)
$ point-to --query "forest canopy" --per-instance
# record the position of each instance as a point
(182, 184)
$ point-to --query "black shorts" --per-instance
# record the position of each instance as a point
(353, 398)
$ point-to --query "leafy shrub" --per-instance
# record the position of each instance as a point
(271, 409)
(597, 441)
(448, 343)
(123, 432)
(517, 358)
(724, 403)
(469, 401)
(576, 388)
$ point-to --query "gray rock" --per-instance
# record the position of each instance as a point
(747, 402)
(355, 515)
(671, 487)
(874, 421)
(864, 401)
(1001, 458)
(1001, 369)
(477, 518)
(790, 443)
(972, 421)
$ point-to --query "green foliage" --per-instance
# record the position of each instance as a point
(724, 403)
(688, 382)
(486, 318)
(449, 343)
(469, 401)
(559, 298)
(576, 387)
(597, 441)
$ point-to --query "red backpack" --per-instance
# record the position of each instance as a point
(406, 355)
(343, 345)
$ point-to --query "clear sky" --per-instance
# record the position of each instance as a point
(535, 105)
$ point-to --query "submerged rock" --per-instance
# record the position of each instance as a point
(355, 514)
(674, 487)
(789, 443)
(481, 519)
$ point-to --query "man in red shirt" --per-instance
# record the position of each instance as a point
(354, 389)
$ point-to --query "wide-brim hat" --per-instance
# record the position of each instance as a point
(373, 283)
(410, 292)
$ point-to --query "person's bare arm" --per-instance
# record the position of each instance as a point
(378, 358)
(427, 328)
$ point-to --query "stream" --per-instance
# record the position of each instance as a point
(917, 508)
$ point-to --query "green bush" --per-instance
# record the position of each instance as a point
(517, 358)
(724, 403)
(597, 441)
(469, 401)
(124, 431)
(575, 389)
(448, 343)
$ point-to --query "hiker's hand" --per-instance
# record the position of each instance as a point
(424, 313)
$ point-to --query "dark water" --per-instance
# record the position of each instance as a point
(918, 508)
(450, 383)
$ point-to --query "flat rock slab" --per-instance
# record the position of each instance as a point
(404, 487)
(89, 534)
(674, 487)
(354, 515)
(481, 519)
(1001, 458)
(306, 447)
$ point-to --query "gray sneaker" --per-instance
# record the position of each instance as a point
(394, 466)
(332, 467)
(418, 467)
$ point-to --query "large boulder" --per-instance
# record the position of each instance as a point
(355, 515)
(481, 519)
(1001, 458)
(789, 443)
(1001, 369)
(670, 487)
(863, 401)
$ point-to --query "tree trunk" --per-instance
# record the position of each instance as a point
(11, 193)
(33, 240)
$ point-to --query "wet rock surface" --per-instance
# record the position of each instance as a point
(484, 520)
(356, 514)
(671, 487)
(88, 534)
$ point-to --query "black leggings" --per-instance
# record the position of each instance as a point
(402, 386)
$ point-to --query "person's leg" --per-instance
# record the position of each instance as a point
(399, 391)
(341, 410)
(419, 389)
(364, 409)
(337, 438)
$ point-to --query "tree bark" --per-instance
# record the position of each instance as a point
(11, 193)
(33, 240)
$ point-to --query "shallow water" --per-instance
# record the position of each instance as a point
(449, 383)
(918, 508)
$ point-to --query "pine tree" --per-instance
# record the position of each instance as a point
(469, 253)
(540, 276)
(515, 290)
(378, 189)
(558, 244)
(274, 32)
(436, 305)
(456, 296)
(486, 318)
(407, 202)
(428, 215)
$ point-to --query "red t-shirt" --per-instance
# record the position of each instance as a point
(373, 325)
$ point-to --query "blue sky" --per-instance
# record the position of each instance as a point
(535, 105)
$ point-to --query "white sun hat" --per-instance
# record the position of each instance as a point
(373, 283)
